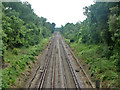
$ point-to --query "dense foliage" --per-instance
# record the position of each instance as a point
(22, 27)
(97, 40)
(17, 60)
(24, 35)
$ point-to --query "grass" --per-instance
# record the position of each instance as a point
(17, 60)
(100, 65)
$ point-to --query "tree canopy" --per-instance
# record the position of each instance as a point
(101, 29)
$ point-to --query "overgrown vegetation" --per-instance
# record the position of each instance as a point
(99, 65)
(97, 41)
(16, 64)
(24, 35)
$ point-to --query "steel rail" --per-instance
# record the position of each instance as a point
(63, 67)
(38, 67)
(53, 72)
(90, 82)
(71, 68)
(40, 85)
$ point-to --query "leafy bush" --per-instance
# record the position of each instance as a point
(18, 62)
(15, 51)
(67, 40)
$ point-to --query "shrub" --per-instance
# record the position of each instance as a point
(15, 51)
(102, 63)
(18, 61)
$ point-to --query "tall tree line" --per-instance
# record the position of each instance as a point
(22, 27)
(101, 27)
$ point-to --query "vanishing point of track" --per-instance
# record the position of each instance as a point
(59, 69)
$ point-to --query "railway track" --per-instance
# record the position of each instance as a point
(70, 66)
(50, 47)
(41, 82)
(59, 69)
(90, 82)
(77, 61)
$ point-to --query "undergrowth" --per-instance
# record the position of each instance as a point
(101, 62)
(17, 60)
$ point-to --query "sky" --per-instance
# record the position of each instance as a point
(60, 11)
